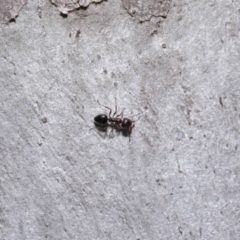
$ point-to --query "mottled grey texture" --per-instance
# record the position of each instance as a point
(178, 178)
(65, 6)
(9, 9)
(144, 10)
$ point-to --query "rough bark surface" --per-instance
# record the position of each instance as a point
(9, 9)
(66, 6)
(144, 10)
(179, 176)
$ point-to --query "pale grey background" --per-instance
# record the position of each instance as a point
(178, 178)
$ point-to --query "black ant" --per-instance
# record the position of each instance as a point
(102, 121)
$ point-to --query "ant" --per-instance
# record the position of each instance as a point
(102, 121)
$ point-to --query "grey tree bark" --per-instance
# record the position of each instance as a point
(178, 177)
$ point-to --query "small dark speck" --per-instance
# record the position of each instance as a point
(13, 20)
(115, 84)
(164, 45)
(44, 120)
(39, 10)
(159, 24)
(154, 32)
(77, 33)
(158, 182)
(69, 34)
(180, 230)
(179, 18)
(236, 147)
(63, 15)
(220, 101)
(146, 107)
(133, 12)
(105, 70)
(98, 57)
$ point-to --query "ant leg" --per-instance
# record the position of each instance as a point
(91, 129)
(129, 130)
(121, 114)
(99, 132)
(135, 115)
(129, 133)
(115, 107)
(111, 133)
(133, 121)
(110, 110)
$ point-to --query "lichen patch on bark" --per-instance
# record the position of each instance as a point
(9, 9)
(66, 6)
(143, 10)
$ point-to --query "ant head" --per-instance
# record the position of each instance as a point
(126, 123)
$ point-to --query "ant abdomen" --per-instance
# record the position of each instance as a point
(101, 121)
